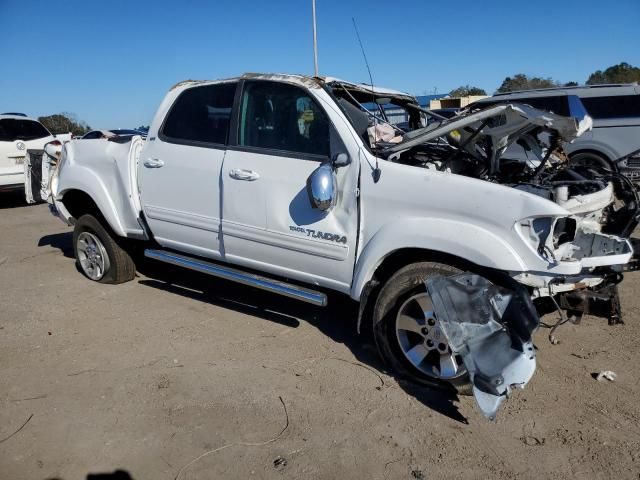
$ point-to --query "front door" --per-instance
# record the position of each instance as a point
(180, 170)
(283, 134)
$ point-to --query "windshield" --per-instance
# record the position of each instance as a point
(12, 129)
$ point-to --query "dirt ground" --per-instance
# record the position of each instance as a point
(179, 374)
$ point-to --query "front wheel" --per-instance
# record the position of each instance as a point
(98, 256)
(408, 334)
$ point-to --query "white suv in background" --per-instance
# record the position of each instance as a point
(17, 135)
(615, 110)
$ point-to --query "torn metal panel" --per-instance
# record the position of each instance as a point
(490, 327)
(369, 90)
(509, 122)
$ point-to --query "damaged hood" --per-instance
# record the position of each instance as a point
(504, 124)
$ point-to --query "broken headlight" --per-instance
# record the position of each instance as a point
(546, 234)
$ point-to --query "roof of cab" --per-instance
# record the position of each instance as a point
(283, 77)
(305, 80)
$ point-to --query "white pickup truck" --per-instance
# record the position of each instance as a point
(299, 185)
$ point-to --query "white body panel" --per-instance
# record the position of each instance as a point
(105, 171)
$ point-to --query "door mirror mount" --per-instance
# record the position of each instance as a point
(341, 160)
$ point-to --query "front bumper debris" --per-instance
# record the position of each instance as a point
(490, 326)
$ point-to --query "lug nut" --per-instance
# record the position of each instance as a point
(431, 322)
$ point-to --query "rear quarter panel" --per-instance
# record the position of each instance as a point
(102, 169)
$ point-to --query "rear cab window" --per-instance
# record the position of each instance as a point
(200, 116)
(12, 129)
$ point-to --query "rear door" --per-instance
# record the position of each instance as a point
(180, 170)
(283, 134)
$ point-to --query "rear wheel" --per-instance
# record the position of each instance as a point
(408, 334)
(98, 256)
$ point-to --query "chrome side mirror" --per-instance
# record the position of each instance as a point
(322, 187)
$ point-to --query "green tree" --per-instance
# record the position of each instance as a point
(620, 73)
(466, 91)
(570, 84)
(64, 123)
(521, 82)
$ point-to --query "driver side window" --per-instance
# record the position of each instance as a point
(282, 117)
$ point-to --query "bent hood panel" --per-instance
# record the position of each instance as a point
(517, 117)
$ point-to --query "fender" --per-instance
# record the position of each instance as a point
(464, 240)
(102, 172)
(98, 193)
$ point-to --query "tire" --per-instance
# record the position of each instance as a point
(405, 291)
(98, 255)
(591, 159)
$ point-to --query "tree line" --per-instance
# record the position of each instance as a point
(66, 122)
(620, 73)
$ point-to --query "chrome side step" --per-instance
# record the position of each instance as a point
(263, 283)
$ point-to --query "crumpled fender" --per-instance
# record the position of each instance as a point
(464, 240)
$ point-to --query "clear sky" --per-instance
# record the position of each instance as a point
(111, 62)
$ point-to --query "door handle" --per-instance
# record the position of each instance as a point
(153, 163)
(241, 174)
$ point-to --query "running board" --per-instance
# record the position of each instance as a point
(238, 276)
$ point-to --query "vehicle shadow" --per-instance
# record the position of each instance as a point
(115, 475)
(62, 241)
(12, 199)
(338, 320)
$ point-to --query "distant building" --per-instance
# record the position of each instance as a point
(453, 102)
(397, 115)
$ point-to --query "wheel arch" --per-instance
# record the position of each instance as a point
(468, 246)
(444, 238)
(393, 262)
(78, 202)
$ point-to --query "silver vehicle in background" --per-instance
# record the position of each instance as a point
(615, 110)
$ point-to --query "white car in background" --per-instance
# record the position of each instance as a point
(17, 135)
